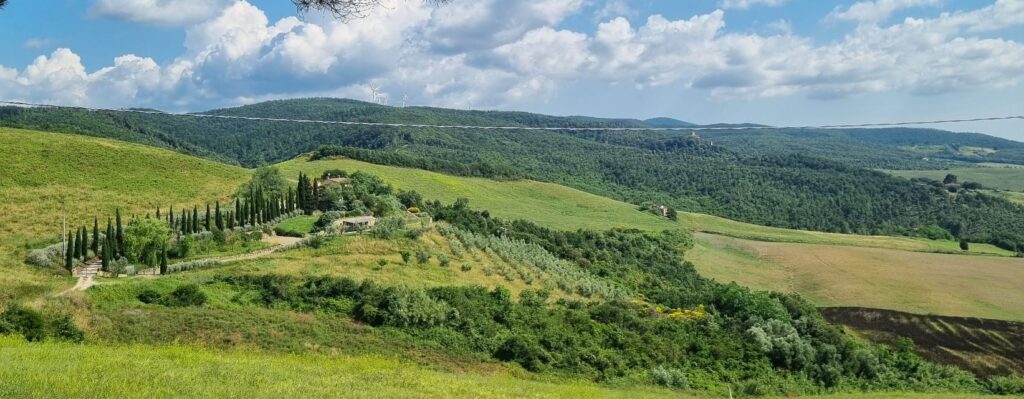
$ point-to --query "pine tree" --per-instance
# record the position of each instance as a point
(96, 236)
(120, 235)
(69, 256)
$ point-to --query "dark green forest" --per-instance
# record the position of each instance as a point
(804, 180)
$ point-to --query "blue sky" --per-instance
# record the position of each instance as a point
(781, 62)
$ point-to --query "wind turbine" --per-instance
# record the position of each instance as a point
(405, 100)
(375, 93)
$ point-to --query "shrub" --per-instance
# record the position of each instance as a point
(64, 329)
(1006, 385)
(414, 234)
(26, 322)
(149, 295)
(406, 256)
(526, 352)
(388, 227)
(466, 267)
(443, 259)
(669, 377)
(422, 257)
(186, 295)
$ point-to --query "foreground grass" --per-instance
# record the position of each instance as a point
(57, 370)
(89, 177)
(560, 207)
(833, 275)
(54, 370)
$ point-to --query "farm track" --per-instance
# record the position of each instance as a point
(87, 276)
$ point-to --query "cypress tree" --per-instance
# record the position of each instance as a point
(158, 212)
(163, 262)
(69, 260)
(85, 243)
(208, 217)
(170, 217)
(316, 196)
(195, 219)
(96, 236)
(238, 210)
(219, 220)
(300, 198)
(120, 234)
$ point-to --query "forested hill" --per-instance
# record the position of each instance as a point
(889, 148)
(766, 188)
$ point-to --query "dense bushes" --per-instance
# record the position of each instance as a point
(183, 296)
(36, 326)
(795, 351)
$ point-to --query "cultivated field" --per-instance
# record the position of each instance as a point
(832, 275)
(89, 177)
(983, 346)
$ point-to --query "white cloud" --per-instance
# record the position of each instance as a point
(36, 43)
(745, 4)
(159, 12)
(503, 54)
(877, 10)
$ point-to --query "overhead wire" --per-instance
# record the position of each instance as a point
(510, 127)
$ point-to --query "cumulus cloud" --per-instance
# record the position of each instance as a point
(159, 12)
(481, 59)
(745, 4)
(876, 11)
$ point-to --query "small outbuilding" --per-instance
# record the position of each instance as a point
(358, 223)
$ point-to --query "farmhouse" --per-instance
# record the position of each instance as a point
(359, 223)
(330, 181)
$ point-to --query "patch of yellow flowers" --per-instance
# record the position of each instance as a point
(678, 314)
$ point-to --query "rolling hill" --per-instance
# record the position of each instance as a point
(774, 188)
(88, 177)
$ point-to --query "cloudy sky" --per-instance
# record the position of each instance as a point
(781, 62)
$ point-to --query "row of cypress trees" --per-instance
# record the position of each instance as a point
(112, 247)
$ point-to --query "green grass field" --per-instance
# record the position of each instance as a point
(1002, 178)
(89, 177)
(298, 224)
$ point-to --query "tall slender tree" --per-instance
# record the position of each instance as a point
(219, 219)
(85, 243)
(195, 219)
(208, 228)
(120, 234)
(69, 256)
(96, 236)
(158, 212)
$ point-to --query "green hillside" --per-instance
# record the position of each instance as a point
(88, 177)
(775, 188)
(561, 207)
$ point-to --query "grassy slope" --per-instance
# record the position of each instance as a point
(54, 370)
(1003, 178)
(91, 177)
(831, 275)
(561, 207)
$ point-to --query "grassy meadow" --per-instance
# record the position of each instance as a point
(89, 177)
(991, 176)
(833, 275)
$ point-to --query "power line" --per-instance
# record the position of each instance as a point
(548, 128)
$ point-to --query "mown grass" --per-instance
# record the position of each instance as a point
(832, 275)
(89, 177)
(561, 207)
